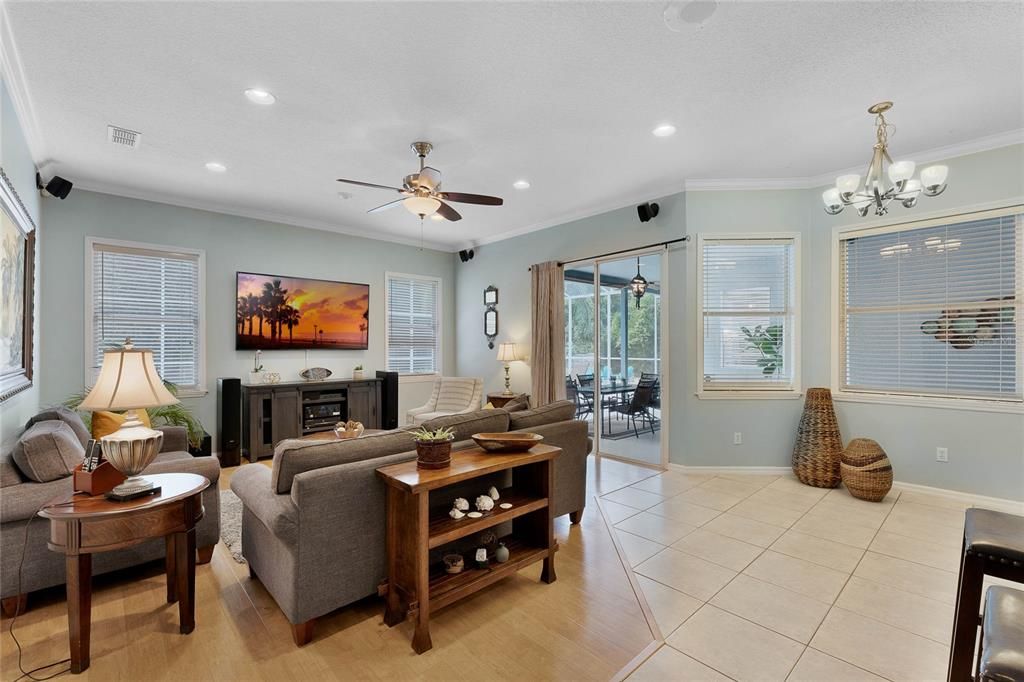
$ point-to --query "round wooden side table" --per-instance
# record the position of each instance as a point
(81, 526)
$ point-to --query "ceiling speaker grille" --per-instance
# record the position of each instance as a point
(123, 137)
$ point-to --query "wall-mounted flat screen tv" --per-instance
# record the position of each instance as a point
(278, 313)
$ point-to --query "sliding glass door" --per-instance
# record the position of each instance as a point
(614, 351)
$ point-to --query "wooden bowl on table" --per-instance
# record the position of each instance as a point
(507, 442)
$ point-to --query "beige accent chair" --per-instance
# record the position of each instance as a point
(451, 395)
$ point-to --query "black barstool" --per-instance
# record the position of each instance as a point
(993, 545)
(1001, 658)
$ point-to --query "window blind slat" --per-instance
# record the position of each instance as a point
(933, 311)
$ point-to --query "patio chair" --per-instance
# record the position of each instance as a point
(656, 400)
(639, 405)
(583, 405)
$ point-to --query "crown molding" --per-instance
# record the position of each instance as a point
(745, 184)
(658, 192)
(14, 78)
(265, 216)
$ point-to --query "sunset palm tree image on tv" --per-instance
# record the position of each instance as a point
(277, 313)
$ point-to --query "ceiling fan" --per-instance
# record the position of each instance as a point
(421, 192)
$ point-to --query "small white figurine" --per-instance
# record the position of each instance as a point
(481, 555)
(461, 503)
(484, 503)
(493, 494)
(456, 513)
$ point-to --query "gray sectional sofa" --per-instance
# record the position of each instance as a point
(313, 525)
(21, 497)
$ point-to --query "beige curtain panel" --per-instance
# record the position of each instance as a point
(547, 345)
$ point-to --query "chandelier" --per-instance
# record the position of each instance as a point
(638, 285)
(879, 191)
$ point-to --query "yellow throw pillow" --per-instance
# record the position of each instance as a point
(488, 406)
(105, 423)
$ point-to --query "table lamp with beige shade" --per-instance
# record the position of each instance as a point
(129, 381)
(508, 352)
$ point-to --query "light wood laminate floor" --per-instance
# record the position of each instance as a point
(586, 626)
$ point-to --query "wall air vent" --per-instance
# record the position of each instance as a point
(123, 137)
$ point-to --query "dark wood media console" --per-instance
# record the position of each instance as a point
(273, 412)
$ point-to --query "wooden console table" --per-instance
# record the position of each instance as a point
(81, 526)
(415, 526)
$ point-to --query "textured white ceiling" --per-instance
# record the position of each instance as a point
(563, 94)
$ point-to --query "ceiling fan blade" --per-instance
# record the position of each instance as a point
(369, 184)
(472, 198)
(384, 207)
(448, 213)
(430, 178)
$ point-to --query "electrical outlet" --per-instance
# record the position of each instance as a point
(737, 438)
(941, 454)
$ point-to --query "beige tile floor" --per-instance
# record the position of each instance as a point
(755, 577)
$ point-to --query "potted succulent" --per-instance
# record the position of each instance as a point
(357, 372)
(433, 448)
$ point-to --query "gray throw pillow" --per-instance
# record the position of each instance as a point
(66, 415)
(47, 451)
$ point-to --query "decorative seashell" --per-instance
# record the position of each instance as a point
(455, 514)
(505, 505)
(461, 503)
(493, 494)
(484, 503)
(474, 515)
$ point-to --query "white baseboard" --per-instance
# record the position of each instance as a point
(998, 503)
(689, 469)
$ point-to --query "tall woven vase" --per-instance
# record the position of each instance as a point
(818, 443)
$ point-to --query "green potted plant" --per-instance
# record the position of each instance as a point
(768, 341)
(433, 448)
(357, 372)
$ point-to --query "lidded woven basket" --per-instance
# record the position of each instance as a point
(818, 443)
(866, 470)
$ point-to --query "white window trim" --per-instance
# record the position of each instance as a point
(88, 377)
(883, 226)
(420, 377)
(746, 392)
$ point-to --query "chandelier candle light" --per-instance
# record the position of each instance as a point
(129, 381)
(508, 352)
(878, 191)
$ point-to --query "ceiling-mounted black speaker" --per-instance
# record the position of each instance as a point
(56, 187)
(647, 211)
(466, 255)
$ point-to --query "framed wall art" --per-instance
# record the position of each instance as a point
(17, 284)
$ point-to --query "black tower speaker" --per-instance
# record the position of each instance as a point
(388, 399)
(229, 421)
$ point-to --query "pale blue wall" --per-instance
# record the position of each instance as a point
(231, 243)
(986, 449)
(16, 161)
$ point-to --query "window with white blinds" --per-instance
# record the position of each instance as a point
(749, 314)
(413, 324)
(154, 295)
(934, 309)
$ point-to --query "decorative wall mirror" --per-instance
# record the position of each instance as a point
(491, 295)
(491, 325)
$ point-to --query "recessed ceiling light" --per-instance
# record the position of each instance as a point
(258, 96)
(215, 167)
(521, 184)
(664, 130)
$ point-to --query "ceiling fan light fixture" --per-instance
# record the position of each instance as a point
(421, 206)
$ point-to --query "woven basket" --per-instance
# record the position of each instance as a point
(818, 443)
(866, 470)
